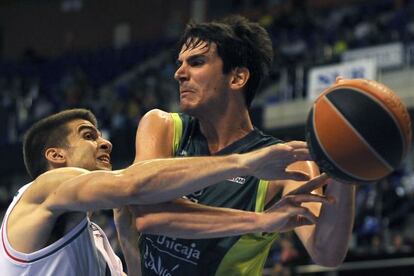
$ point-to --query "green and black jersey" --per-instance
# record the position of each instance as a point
(240, 255)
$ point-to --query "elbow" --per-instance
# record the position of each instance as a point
(329, 250)
(328, 259)
(329, 263)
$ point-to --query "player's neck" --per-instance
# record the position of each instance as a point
(221, 130)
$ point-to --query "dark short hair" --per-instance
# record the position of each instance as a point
(51, 131)
(240, 43)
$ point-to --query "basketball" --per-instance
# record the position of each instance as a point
(358, 130)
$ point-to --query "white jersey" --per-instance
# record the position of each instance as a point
(84, 250)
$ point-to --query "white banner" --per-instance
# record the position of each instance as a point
(386, 56)
(320, 78)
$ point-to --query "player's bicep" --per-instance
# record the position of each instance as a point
(154, 136)
(90, 191)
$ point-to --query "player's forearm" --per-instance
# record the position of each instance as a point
(334, 227)
(128, 239)
(195, 221)
(146, 182)
(162, 180)
(129, 246)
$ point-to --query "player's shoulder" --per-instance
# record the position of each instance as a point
(167, 117)
(49, 181)
(61, 174)
(155, 122)
(157, 115)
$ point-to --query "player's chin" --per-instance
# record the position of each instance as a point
(104, 166)
(187, 106)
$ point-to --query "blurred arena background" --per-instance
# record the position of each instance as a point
(116, 58)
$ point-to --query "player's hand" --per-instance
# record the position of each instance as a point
(270, 163)
(287, 213)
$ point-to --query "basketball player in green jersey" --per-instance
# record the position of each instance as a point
(220, 67)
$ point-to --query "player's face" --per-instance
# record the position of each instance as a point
(87, 149)
(200, 76)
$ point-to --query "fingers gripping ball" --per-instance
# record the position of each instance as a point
(358, 130)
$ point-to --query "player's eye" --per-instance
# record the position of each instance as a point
(89, 136)
(196, 62)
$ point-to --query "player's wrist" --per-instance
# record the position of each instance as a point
(260, 224)
(242, 164)
(253, 222)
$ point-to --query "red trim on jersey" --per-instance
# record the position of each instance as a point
(45, 255)
(7, 252)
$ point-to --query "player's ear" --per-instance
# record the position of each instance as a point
(56, 156)
(239, 77)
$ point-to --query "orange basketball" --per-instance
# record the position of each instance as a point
(358, 130)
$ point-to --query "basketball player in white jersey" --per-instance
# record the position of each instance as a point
(46, 231)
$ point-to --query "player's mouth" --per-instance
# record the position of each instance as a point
(105, 158)
(185, 93)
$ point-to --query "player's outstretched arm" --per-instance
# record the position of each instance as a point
(185, 219)
(154, 139)
(160, 180)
